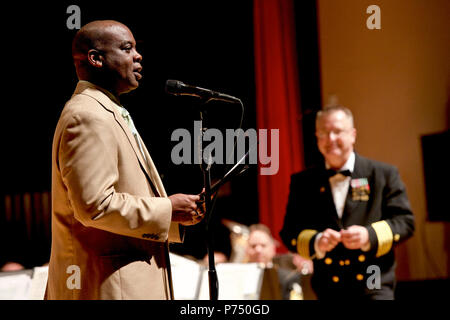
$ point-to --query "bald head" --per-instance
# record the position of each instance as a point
(93, 35)
(104, 52)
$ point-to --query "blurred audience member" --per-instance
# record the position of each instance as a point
(261, 249)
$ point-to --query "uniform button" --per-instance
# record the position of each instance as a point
(294, 242)
(322, 189)
(341, 263)
(359, 277)
(396, 237)
(328, 261)
(362, 258)
(347, 262)
(335, 279)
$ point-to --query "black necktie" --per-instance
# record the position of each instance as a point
(331, 173)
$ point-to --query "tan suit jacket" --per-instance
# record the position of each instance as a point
(109, 228)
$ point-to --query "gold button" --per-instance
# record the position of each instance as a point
(294, 242)
(396, 237)
(347, 262)
(359, 277)
(362, 258)
(328, 261)
(341, 262)
(335, 279)
(322, 189)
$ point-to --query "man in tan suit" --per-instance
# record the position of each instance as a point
(111, 217)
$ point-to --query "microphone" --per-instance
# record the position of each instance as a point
(178, 88)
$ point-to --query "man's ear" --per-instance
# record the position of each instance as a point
(354, 135)
(95, 58)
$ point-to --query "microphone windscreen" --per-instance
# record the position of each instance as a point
(173, 86)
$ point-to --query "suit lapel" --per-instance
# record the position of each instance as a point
(96, 93)
(153, 172)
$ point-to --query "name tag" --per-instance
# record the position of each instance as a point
(360, 189)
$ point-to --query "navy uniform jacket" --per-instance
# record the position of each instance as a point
(377, 200)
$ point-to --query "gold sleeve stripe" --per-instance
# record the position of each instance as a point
(385, 237)
(303, 240)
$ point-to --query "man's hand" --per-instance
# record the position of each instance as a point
(329, 240)
(355, 237)
(185, 210)
(303, 265)
(201, 206)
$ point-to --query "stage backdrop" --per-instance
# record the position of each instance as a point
(277, 103)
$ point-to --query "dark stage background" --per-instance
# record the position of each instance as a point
(203, 43)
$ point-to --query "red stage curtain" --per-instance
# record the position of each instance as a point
(277, 103)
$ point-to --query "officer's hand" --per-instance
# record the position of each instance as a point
(355, 237)
(329, 240)
(185, 209)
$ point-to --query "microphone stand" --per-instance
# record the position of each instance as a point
(206, 169)
(236, 170)
(209, 191)
(173, 87)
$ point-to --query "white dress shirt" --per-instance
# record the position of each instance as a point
(340, 184)
(339, 188)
